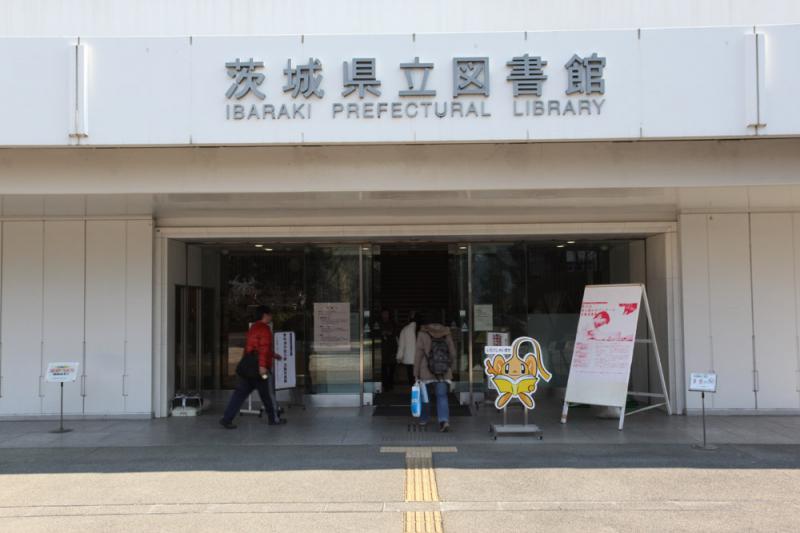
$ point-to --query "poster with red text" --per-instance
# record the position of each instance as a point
(601, 361)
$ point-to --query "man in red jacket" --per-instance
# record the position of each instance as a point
(259, 340)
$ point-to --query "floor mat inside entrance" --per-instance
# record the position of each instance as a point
(405, 410)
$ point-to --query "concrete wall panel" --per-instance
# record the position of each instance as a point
(696, 318)
(63, 308)
(775, 310)
(138, 317)
(22, 299)
(105, 316)
(731, 310)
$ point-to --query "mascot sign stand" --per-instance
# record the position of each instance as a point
(515, 371)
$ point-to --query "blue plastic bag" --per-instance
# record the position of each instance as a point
(416, 403)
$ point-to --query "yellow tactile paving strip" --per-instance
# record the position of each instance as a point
(423, 522)
(420, 477)
(421, 487)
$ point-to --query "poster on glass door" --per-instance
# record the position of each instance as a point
(332, 326)
(604, 342)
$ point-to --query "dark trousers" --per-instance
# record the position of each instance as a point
(244, 387)
(409, 373)
(388, 374)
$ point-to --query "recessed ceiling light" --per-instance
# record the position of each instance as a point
(570, 242)
(462, 247)
(267, 249)
(560, 245)
(259, 245)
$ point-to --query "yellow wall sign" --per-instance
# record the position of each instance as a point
(515, 372)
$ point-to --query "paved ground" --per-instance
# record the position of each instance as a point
(342, 470)
(345, 426)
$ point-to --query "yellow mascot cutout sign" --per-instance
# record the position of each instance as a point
(515, 375)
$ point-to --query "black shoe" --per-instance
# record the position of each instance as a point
(444, 427)
(278, 422)
(227, 425)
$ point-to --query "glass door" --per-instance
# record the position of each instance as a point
(403, 280)
(194, 342)
(316, 292)
(250, 276)
(499, 301)
(460, 319)
(187, 340)
(334, 313)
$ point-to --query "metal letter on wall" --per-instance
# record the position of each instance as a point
(245, 78)
(585, 75)
(304, 79)
(527, 75)
(361, 76)
(470, 76)
(417, 89)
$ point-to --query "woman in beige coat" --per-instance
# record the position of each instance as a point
(406, 349)
(435, 337)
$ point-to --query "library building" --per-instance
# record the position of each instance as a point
(161, 180)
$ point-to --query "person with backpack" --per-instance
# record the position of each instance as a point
(433, 366)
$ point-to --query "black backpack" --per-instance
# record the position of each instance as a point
(439, 357)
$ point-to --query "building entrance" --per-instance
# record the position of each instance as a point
(345, 305)
(413, 283)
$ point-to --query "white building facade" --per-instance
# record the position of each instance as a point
(135, 135)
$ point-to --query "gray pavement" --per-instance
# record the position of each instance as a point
(325, 471)
(353, 426)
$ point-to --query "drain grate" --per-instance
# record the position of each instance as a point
(417, 434)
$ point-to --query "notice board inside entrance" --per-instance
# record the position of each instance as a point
(285, 369)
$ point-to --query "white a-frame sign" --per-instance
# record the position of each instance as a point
(601, 361)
